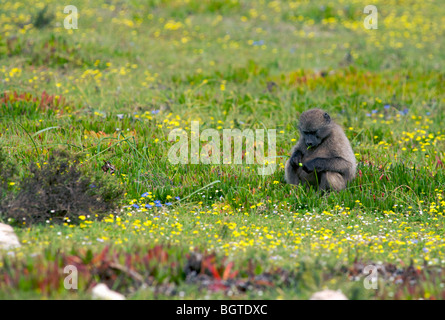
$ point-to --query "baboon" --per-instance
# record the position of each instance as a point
(323, 156)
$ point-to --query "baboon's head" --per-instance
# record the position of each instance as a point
(315, 125)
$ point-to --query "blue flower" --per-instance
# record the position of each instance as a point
(177, 198)
(374, 111)
(258, 43)
(404, 112)
(387, 106)
(157, 201)
(135, 206)
(168, 203)
(92, 185)
(147, 206)
(144, 195)
(425, 250)
(155, 111)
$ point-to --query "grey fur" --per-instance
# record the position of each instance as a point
(323, 156)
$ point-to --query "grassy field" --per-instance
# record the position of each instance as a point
(113, 89)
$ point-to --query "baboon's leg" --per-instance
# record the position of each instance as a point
(298, 175)
(337, 164)
(332, 181)
(310, 179)
(291, 174)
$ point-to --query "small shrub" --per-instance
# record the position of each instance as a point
(43, 18)
(58, 190)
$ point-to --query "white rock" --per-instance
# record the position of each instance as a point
(8, 239)
(102, 292)
(328, 295)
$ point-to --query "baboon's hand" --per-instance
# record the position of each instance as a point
(309, 166)
(295, 160)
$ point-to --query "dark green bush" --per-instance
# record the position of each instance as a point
(59, 190)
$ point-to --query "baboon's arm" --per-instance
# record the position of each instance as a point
(337, 164)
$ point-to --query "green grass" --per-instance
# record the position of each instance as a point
(113, 89)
